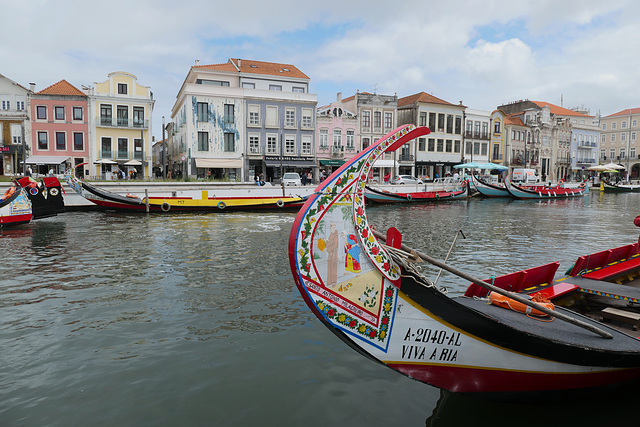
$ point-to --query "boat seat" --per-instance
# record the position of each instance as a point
(556, 291)
(624, 316)
(613, 270)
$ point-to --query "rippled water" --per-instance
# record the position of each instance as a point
(129, 319)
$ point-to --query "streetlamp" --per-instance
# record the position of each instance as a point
(164, 152)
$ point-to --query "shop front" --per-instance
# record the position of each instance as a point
(220, 169)
(275, 166)
(43, 165)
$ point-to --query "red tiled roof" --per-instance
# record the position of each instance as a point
(559, 111)
(421, 97)
(514, 119)
(63, 87)
(227, 66)
(627, 112)
(268, 68)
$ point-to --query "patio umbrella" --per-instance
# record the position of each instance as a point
(133, 163)
(598, 168)
(105, 162)
(613, 166)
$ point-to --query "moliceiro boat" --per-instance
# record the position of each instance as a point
(612, 187)
(543, 192)
(508, 337)
(379, 195)
(46, 196)
(15, 207)
(204, 203)
(489, 189)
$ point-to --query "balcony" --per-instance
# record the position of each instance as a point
(337, 151)
(405, 158)
(108, 121)
(476, 135)
(105, 154)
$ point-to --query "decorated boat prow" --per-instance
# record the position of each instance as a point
(363, 285)
(15, 207)
(46, 196)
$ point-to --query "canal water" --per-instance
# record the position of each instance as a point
(113, 319)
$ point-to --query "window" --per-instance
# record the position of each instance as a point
(604, 126)
(137, 149)
(122, 88)
(613, 137)
(614, 125)
(247, 85)
(634, 123)
(105, 115)
(431, 146)
(306, 144)
(365, 143)
(449, 146)
(77, 113)
(106, 147)
(351, 139)
(6, 104)
(377, 119)
(449, 123)
(123, 148)
(422, 144)
(123, 115)
(423, 119)
(337, 138)
(496, 127)
(632, 152)
(623, 137)
(298, 89)
(254, 115)
(458, 127)
(612, 153)
(622, 153)
(624, 124)
(306, 118)
(290, 117)
(272, 116)
(61, 141)
(432, 122)
(366, 119)
(254, 144)
(388, 120)
(19, 104)
(42, 141)
(272, 144)
(203, 141)
(324, 138)
(441, 119)
(290, 144)
(485, 149)
(202, 112)
(633, 136)
(138, 117)
(456, 146)
(58, 113)
(440, 145)
(41, 112)
(469, 128)
(603, 138)
(229, 141)
(229, 116)
(213, 82)
(78, 141)
(276, 87)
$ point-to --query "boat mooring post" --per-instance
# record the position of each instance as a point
(146, 200)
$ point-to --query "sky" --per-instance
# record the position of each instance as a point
(573, 53)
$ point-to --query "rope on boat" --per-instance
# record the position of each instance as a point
(501, 291)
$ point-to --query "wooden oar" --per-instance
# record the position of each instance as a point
(501, 291)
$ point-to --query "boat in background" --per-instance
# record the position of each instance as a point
(488, 189)
(610, 187)
(174, 203)
(366, 287)
(15, 207)
(543, 192)
(46, 196)
(450, 191)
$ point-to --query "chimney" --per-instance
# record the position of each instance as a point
(239, 62)
(339, 97)
(32, 87)
(197, 62)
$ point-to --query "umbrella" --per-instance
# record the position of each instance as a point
(133, 163)
(478, 165)
(105, 162)
(613, 166)
(598, 168)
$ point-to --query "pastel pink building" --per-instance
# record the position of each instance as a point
(336, 136)
(59, 129)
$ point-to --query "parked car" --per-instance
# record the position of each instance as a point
(291, 179)
(407, 179)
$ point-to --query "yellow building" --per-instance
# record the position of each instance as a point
(121, 130)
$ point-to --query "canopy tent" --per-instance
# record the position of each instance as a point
(219, 163)
(331, 162)
(481, 165)
(46, 160)
(133, 163)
